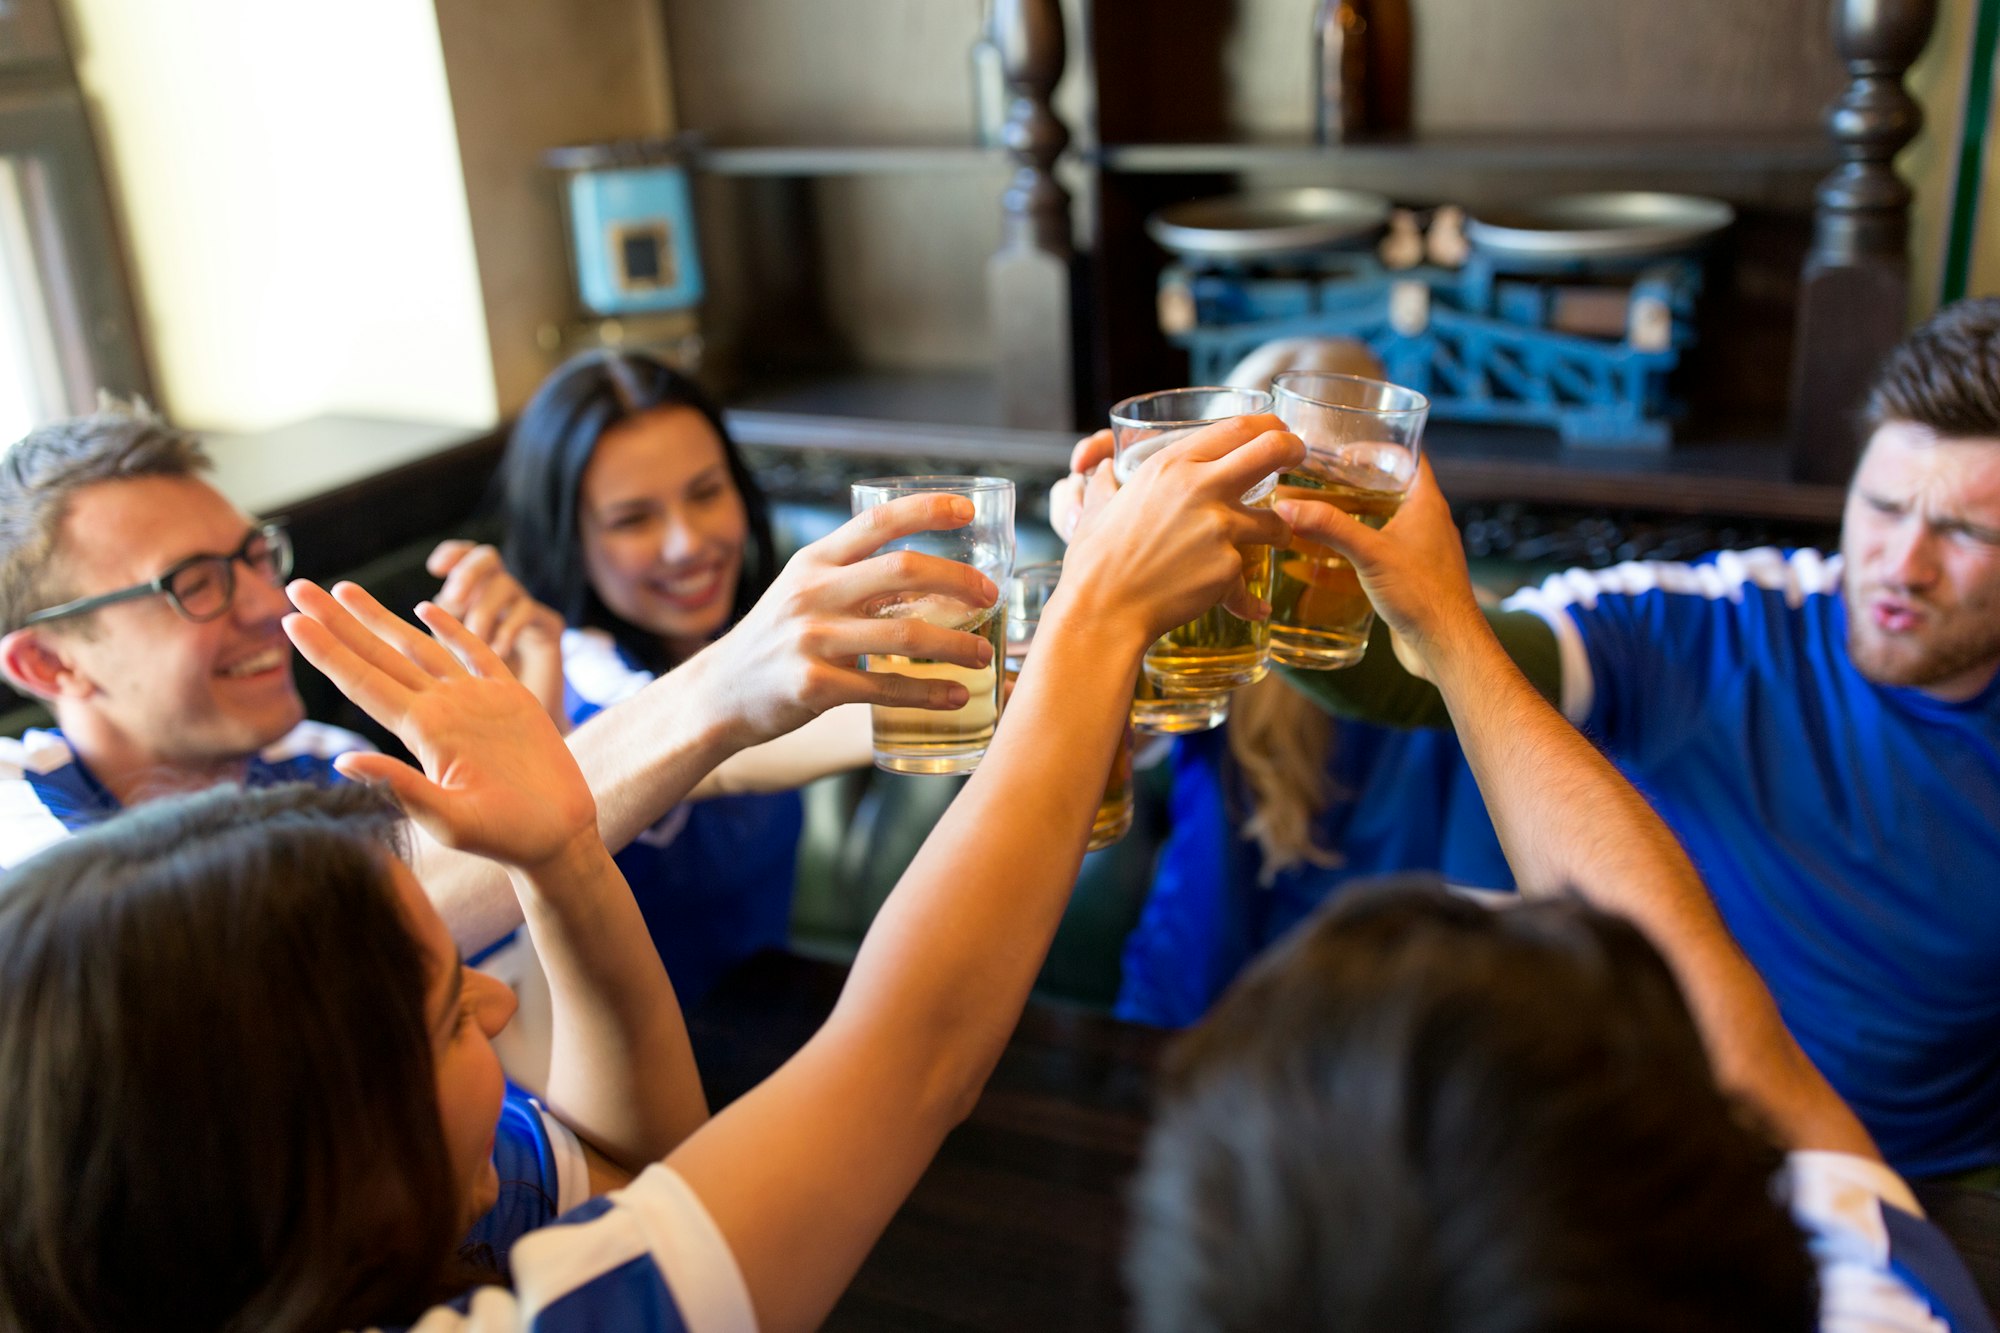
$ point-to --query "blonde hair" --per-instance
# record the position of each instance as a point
(1280, 741)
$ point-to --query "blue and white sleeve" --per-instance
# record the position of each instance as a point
(1882, 1267)
(644, 1259)
(597, 674)
(1643, 644)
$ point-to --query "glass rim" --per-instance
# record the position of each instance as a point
(940, 483)
(1421, 404)
(1038, 569)
(1119, 417)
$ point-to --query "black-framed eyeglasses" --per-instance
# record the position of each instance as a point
(201, 587)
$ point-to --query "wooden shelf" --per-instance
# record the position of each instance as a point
(850, 159)
(1703, 154)
(954, 415)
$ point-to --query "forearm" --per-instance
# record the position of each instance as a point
(621, 1072)
(955, 949)
(834, 742)
(1379, 689)
(1569, 821)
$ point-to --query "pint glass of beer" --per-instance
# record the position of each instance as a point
(926, 740)
(1217, 651)
(1027, 593)
(1362, 439)
(1179, 714)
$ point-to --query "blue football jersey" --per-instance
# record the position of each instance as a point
(713, 878)
(1849, 831)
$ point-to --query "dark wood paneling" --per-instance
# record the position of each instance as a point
(1019, 1222)
(345, 528)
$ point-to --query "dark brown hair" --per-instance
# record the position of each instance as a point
(1946, 375)
(541, 481)
(40, 475)
(220, 1108)
(1422, 1114)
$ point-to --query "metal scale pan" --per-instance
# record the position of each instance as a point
(1627, 224)
(1267, 223)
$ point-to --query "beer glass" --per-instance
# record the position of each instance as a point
(1362, 440)
(1218, 650)
(1028, 592)
(927, 740)
(1176, 715)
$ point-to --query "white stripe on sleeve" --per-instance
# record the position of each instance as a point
(572, 1171)
(26, 826)
(596, 671)
(656, 1216)
(1801, 574)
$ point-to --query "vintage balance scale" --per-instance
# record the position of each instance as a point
(1568, 314)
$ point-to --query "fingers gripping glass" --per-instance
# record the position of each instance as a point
(201, 587)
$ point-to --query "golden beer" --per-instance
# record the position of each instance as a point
(1176, 716)
(1114, 809)
(928, 740)
(1320, 617)
(1218, 650)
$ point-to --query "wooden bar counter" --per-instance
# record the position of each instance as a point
(1018, 1223)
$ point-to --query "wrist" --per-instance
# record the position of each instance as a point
(696, 711)
(579, 856)
(1466, 655)
(1111, 630)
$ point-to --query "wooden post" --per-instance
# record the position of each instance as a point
(1029, 279)
(1855, 290)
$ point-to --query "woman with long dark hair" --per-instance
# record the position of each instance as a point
(250, 1084)
(635, 534)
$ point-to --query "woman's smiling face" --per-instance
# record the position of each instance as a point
(664, 526)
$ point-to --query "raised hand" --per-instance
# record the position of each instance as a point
(497, 779)
(793, 656)
(491, 603)
(1171, 544)
(1413, 569)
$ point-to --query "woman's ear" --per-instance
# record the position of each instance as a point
(34, 664)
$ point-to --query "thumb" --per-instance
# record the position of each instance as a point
(421, 799)
(1316, 520)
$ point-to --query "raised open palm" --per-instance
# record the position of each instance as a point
(497, 778)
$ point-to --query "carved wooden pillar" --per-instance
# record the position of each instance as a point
(1029, 279)
(1854, 294)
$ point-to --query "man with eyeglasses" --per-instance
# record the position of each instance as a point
(146, 611)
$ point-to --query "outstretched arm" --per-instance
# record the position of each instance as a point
(1568, 820)
(497, 782)
(790, 659)
(802, 1174)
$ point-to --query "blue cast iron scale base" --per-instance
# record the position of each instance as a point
(1486, 343)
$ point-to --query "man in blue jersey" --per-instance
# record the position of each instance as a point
(146, 611)
(1823, 733)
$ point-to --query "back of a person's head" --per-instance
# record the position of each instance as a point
(541, 477)
(42, 472)
(220, 1107)
(1945, 376)
(1421, 1114)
